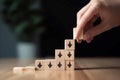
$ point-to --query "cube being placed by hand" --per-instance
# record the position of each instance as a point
(80, 36)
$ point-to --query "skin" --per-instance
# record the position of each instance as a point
(107, 10)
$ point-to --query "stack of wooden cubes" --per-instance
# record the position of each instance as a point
(64, 58)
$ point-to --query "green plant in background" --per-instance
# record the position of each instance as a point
(24, 17)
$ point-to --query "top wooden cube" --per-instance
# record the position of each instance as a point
(74, 33)
(69, 44)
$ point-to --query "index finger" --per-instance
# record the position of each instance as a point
(84, 19)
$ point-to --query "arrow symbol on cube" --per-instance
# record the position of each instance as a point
(69, 65)
(69, 44)
(60, 55)
(59, 65)
(39, 65)
(69, 54)
(50, 65)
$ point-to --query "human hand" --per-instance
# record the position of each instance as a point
(107, 10)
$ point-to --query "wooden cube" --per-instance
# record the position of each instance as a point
(18, 70)
(74, 33)
(39, 64)
(50, 64)
(69, 65)
(29, 69)
(60, 54)
(60, 65)
(69, 55)
(69, 44)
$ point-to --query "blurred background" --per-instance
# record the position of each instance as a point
(35, 28)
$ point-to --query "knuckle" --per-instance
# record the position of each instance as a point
(79, 14)
(99, 4)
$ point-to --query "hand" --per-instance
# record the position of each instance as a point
(107, 10)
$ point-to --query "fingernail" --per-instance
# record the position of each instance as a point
(79, 41)
(89, 38)
(88, 41)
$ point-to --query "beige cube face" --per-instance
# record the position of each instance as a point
(50, 64)
(29, 69)
(70, 55)
(69, 44)
(74, 33)
(60, 54)
(39, 64)
(69, 65)
(60, 65)
(18, 70)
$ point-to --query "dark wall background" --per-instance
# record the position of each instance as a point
(60, 18)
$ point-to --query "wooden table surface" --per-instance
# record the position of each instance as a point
(86, 69)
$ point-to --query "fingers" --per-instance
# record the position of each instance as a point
(79, 41)
(91, 33)
(84, 19)
(82, 11)
(88, 37)
(90, 24)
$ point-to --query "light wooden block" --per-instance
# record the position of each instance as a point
(69, 44)
(18, 70)
(69, 65)
(39, 64)
(60, 65)
(50, 64)
(70, 55)
(60, 54)
(74, 33)
(29, 69)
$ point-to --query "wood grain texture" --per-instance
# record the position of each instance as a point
(86, 69)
